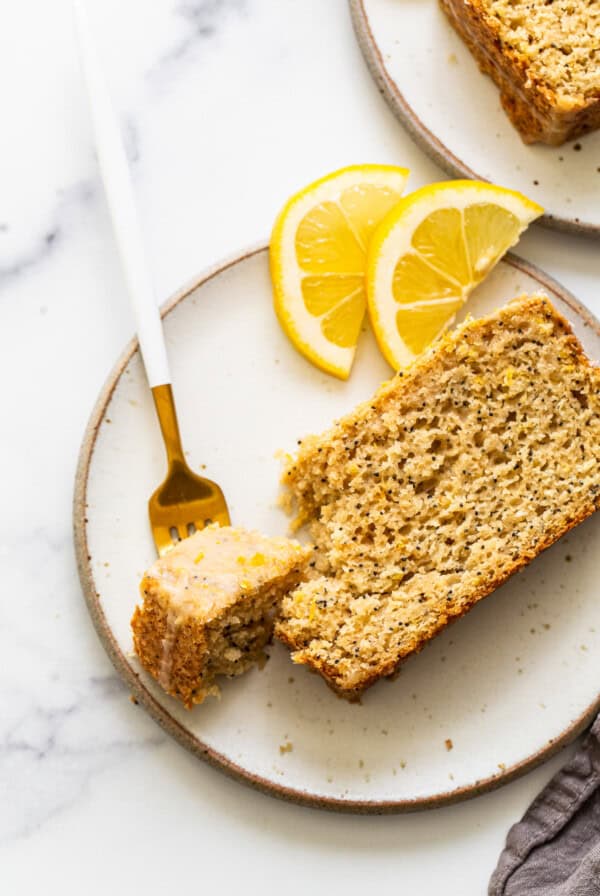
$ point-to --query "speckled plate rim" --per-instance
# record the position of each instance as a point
(161, 713)
(426, 139)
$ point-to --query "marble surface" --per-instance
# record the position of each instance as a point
(227, 106)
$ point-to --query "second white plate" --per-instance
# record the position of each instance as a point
(434, 86)
(490, 698)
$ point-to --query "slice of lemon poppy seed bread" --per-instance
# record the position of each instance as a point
(425, 499)
(209, 606)
(543, 55)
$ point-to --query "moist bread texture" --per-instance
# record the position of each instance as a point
(545, 58)
(209, 605)
(426, 498)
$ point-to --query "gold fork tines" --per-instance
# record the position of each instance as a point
(185, 502)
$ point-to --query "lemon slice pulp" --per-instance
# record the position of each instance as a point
(429, 253)
(318, 260)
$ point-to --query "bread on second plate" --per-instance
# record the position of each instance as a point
(544, 58)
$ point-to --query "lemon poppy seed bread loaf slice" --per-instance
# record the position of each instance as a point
(425, 499)
(544, 58)
(209, 606)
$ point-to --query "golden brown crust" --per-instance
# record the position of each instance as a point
(531, 104)
(181, 671)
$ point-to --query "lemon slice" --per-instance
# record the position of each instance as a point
(318, 260)
(429, 253)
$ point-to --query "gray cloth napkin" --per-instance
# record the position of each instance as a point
(555, 849)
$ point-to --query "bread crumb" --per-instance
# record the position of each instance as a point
(448, 743)
(287, 747)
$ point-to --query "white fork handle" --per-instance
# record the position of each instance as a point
(119, 192)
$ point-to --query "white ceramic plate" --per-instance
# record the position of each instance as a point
(453, 111)
(506, 686)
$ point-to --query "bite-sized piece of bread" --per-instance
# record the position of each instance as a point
(544, 57)
(209, 606)
(457, 473)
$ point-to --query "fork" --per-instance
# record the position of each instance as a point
(184, 502)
